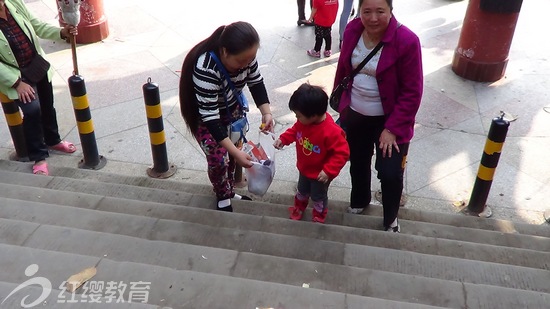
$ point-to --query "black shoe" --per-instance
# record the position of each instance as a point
(355, 210)
(304, 22)
(242, 197)
(394, 229)
(227, 208)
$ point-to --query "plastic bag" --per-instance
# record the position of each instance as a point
(261, 174)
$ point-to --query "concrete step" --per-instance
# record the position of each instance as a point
(169, 287)
(177, 193)
(435, 238)
(210, 259)
(276, 237)
(212, 222)
(177, 229)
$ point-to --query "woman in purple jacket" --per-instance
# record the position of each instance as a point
(378, 108)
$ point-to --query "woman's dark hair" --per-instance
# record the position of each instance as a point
(309, 100)
(389, 2)
(235, 38)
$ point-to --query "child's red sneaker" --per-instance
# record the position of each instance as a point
(295, 213)
(319, 216)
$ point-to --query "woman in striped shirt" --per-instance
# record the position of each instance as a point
(209, 103)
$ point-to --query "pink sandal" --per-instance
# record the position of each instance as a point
(40, 169)
(64, 146)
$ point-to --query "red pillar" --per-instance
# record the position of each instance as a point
(93, 25)
(485, 39)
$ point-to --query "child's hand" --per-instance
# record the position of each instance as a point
(323, 177)
(278, 144)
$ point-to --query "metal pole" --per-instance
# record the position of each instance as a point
(488, 164)
(15, 124)
(70, 13)
(161, 167)
(92, 159)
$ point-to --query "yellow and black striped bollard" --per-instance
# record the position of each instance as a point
(161, 167)
(92, 159)
(15, 125)
(489, 161)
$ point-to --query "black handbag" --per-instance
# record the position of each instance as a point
(36, 70)
(336, 95)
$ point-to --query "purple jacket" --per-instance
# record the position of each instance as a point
(399, 75)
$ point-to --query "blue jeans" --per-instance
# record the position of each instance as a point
(344, 17)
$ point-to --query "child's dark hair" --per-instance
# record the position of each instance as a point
(309, 100)
(235, 38)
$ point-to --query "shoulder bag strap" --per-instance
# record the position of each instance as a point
(364, 62)
(229, 82)
(346, 79)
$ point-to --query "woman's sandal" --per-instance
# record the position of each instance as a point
(40, 169)
(64, 146)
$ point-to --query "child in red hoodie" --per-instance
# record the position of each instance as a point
(321, 149)
(323, 13)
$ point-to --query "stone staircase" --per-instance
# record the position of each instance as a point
(165, 235)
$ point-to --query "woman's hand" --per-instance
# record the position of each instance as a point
(243, 159)
(388, 143)
(267, 122)
(67, 31)
(25, 92)
(267, 118)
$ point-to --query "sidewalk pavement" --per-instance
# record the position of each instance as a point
(150, 40)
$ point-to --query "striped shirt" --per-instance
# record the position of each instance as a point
(212, 89)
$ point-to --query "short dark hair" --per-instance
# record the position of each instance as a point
(309, 100)
(389, 2)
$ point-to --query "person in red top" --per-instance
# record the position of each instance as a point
(321, 149)
(323, 13)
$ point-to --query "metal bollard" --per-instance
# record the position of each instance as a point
(161, 167)
(92, 159)
(488, 164)
(15, 125)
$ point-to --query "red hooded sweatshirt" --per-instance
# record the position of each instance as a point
(319, 147)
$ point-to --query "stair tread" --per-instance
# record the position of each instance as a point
(223, 261)
(166, 231)
(172, 288)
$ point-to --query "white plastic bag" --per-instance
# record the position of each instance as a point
(261, 174)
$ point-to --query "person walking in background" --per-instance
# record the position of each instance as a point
(321, 150)
(302, 13)
(348, 11)
(209, 102)
(380, 104)
(26, 78)
(324, 14)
